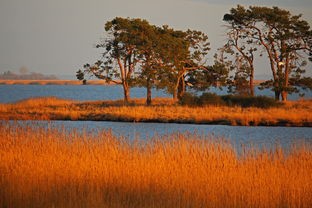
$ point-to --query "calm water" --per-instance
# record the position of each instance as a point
(13, 93)
(261, 136)
(258, 136)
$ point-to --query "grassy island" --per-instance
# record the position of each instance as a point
(292, 113)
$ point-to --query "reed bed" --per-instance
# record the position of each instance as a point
(41, 166)
(296, 113)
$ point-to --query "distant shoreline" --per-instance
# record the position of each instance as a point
(53, 82)
(66, 82)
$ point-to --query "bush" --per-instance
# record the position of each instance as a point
(189, 99)
(229, 100)
(210, 99)
(249, 101)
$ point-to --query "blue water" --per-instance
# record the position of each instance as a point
(262, 137)
(13, 93)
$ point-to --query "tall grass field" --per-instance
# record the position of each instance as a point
(46, 167)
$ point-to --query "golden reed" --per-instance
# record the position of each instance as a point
(42, 166)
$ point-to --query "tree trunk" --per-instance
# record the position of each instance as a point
(286, 80)
(277, 94)
(277, 82)
(251, 82)
(126, 90)
(284, 95)
(148, 92)
(175, 94)
(175, 90)
(181, 87)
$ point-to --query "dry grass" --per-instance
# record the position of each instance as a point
(45, 167)
(296, 113)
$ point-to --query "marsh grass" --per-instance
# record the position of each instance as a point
(295, 113)
(45, 167)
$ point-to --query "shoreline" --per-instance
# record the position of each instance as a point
(221, 123)
(65, 82)
(216, 122)
(53, 82)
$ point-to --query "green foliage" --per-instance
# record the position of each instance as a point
(182, 53)
(282, 36)
(138, 53)
(304, 82)
(215, 75)
(80, 75)
(129, 42)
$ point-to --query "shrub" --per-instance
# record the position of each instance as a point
(189, 99)
(229, 100)
(210, 99)
(249, 101)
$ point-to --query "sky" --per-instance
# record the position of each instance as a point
(56, 37)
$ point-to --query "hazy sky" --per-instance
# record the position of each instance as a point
(58, 36)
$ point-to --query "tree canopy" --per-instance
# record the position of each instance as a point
(138, 53)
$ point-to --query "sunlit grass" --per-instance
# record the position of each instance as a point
(295, 113)
(46, 167)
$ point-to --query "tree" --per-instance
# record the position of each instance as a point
(146, 44)
(182, 52)
(284, 38)
(120, 55)
(233, 71)
(137, 53)
(215, 75)
(173, 50)
(196, 60)
(241, 45)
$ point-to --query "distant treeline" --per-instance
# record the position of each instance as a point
(8, 75)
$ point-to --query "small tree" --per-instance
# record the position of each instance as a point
(173, 50)
(182, 52)
(146, 44)
(120, 55)
(241, 45)
(241, 74)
